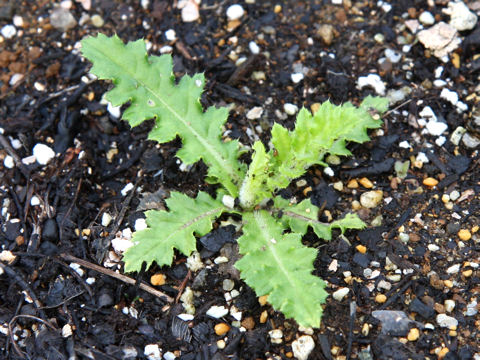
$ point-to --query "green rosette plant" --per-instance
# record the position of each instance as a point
(274, 261)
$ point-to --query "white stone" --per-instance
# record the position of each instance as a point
(337, 2)
(438, 83)
(186, 317)
(254, 48)
(170, 35)
(235, 12)
(441, 140)
(472, 308)
(461, 18)
(436, 128)
(8, 31)
(77, 268)
(404, 144)
(34, 201)
(90, 280)
(126, 189)
(115, 111)
(228, 201)
(372, 80)
(426, 18)
(106, 219)
(457, 135)
(152, 352)
(169, 356)
(18, 21)
(422, 158)
(167, 49)
(433, 247)
(302, 347)
(140, 224)
(217, 311)
(450, 96)
(329, 171)
(276, 336)
(428, 114)
(454, 195)
(393, 56)
(454, 269)
(255, 113)
(449, 305)
(67, 330)
(371, 199)
(290, 109)
(8, 162)
(7, 256)
(297, 77)
(446, 321)
(15, 79)
(340, 293)
(120, 245)
(29, 160)
(194, 262)
(16, 144)
(441, 38)
(190, 11)
(43, 153)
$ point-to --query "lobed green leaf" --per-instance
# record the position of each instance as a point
(147, 83)
(298, 217)
(174, 229)
(326, 132)
(278, 265)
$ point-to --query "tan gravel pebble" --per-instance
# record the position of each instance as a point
(380, 298)
(366, 183)
(429, 181)
(262, 300)
(361, 249)
(413, 334)
(158, 279)
(352, 184)
(441, 354)
(221, 329)
(263, 317)
(467, 273)
(248, 323)
(464, 234)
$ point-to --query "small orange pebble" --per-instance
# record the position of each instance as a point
(20, 240)
(464, 234)
(441, 354)
(352, 184)
(158, 279)
(277, 9)
(263, 317)
(413, 334)
(289, 354)
(366, 183)
(475, 229)
(262, 300)
(307, 190)
(448, 283)
(314, 107)
(467, 273)
(429, 181)
(456, 60)
(222, 329)
(361, 249)
(380, 298)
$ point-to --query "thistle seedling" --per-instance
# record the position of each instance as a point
(274, 261)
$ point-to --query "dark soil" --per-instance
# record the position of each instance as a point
(51, 215)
